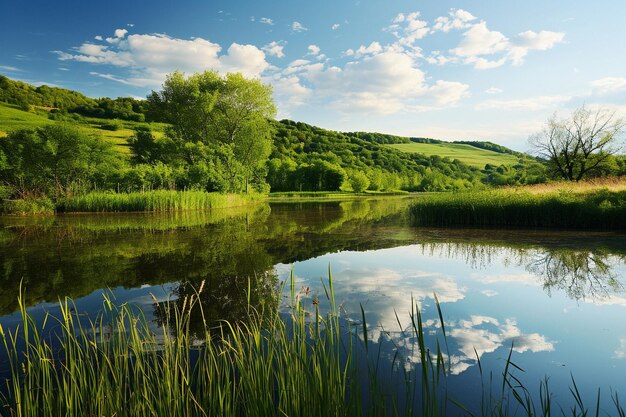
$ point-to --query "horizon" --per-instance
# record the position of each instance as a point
(472, 71)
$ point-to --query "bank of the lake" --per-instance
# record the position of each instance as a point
(154, 201)
(599, 205)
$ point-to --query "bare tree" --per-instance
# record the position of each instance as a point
(580, 145)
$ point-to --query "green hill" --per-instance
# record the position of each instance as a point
(303, 157)
(469, 154)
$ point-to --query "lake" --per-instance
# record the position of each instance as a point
(556, 298)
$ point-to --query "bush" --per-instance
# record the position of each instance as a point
(113, 125)
(28, 206)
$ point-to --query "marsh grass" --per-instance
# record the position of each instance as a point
(566, 209)
(122, 364)
(157, 200)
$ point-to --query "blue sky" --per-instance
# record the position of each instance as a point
(489, 69)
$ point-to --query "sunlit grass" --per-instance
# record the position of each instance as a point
(157, 200)
(469, 154)
(599, 205)
(307, 364)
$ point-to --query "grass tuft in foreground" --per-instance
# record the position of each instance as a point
(122, 364)
(567, 209)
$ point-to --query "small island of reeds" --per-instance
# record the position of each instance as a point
(596, 204)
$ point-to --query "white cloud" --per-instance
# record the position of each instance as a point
(489, 293)
(120, 33)
(479, 40)
(298, 27)
(609, 85)
(485, 49)
(266, 21)
(530, 104)
(458, 19)
(494, 90)
(408, 29)
(314, 50)
(98, 38)
(385, 83)
(149, 57)
(335, 26)
(275, 49)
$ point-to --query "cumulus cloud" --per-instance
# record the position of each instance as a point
(266, 21)
(335, 26)
(120, 33)
(298, 27)
(385, 83)
(456, 19)
(609, 85)
(98, 38)
(313, 50)
(149, 57)
(531, 104)
(485, 49)
(275, 49)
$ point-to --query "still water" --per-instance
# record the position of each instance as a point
(557, 299)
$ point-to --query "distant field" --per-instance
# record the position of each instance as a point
(12, 118)
(465, 153)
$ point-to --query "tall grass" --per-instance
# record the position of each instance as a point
(595, 209)
(122, 364)
(158, 200)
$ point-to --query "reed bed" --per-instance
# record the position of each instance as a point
(122, 364)
(565, 209)
(157, 200)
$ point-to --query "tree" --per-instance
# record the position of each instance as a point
(579, 146)
(217, 111)
(54, 160)
(359, 181)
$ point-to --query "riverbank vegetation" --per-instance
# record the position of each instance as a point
(207, 133)
(297, 363)
(586, 205)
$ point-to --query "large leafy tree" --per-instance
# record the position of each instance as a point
(581, 145)
(227, 113)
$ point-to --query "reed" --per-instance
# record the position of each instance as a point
(566, 209)
(122, 364)
(157, 200)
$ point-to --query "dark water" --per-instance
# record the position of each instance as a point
(556, 298)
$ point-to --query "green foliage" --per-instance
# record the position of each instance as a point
(359, 181)
(298, 145)
(313, 364)
(160, 200)
(113, 125)
(219, 122)
(27, 206)
(53, 159)
(599, 209)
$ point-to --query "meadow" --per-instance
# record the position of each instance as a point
(12, 118)
(298, 363)
(471, 155)
(599, 204)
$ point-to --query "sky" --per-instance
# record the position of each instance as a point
(454, 70)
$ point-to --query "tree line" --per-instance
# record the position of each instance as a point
(221, 136)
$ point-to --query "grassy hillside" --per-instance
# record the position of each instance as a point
(468, 154)
(12, 118)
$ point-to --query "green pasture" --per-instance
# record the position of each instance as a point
(465, 153)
